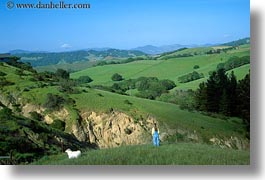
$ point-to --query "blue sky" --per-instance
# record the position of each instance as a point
(123, 24)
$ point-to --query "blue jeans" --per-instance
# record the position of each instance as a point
(156, 139)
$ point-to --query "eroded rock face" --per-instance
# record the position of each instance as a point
(232, 142)
(104, 129)
(62, 114)
(114, 129)
(27, 108)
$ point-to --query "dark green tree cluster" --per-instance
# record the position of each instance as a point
(243, 94)
(2, 73)
(62, 74)
(234, 62)
(43, 76)
(128, 60)
(15, 61)
(53, 102)
(218, 51)
(183, 98)
(84, 79)
(196, 67)
(66, 84)
(148, 87)
(177, 56)
(116, 77)
(223, 94)
(190, 77)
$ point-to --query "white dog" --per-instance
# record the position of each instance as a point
(73, 154)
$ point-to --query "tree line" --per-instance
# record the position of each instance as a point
(223, 94)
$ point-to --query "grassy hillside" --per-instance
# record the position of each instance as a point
(169, 115)
(71, 67)
(166, 69)
(168, 154)
(179, 125)
(53, 58)
(28, 139)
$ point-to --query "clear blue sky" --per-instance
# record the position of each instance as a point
(123, 24)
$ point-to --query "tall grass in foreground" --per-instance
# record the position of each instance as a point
(171, 154)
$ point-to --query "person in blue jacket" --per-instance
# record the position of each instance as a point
(155, 134)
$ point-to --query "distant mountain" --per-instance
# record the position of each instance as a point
(52, 58)
(99, 49)
(20, 51)
(238, 42)
(42, 58)
(149, 49)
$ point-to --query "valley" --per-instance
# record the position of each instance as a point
(106, 117)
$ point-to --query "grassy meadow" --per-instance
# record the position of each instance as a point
(167, 69)
(166, 154)
(169, 116)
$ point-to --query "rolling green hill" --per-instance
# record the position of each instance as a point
(85, 109)
(171, 68)
(238, 42)
(55, 58)
(101, 101)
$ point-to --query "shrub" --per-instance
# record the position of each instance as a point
(234, 62)
(2, 73)
(58, 124)
(117, 77)
(128, 102)
(53, 102)
(5, 82)
(168, 84)
(100, 95)
(84, 79)
(67, 86)
(60, 73)
(36, 116)
(5, 113)
(196, 67)
(19, 72)
(190, 77)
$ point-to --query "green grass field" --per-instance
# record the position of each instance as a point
(76, 66)
(165, 69)
(169, 115)
(166, 154)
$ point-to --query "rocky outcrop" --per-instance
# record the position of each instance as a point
(62, 114)
(232, 142)
(114, 129)
(102, 129)
(27, 108)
